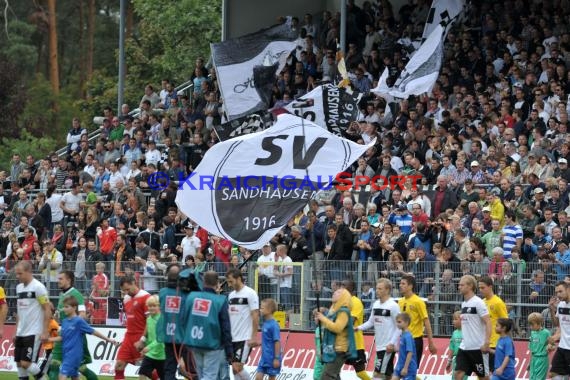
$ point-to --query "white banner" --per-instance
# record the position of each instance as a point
(421, 72)
(247, 188)
(236, 59)
(445, 13)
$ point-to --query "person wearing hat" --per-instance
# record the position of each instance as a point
(486, 221)
(497, 207)
(477, 175)
(533, 166)
(401, 217)
(190, 244)
(152, 155)
(562, 171)
(538, 200)
(267, 280)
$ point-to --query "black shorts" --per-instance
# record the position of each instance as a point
(241, 352)
(27, 348)
(359, 363)
(561, 362)
(148, 365)
(472, 361)
(384, 363)
(419, 341)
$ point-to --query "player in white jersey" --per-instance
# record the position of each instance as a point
(561, 360)
(386, 332)
(243, 303)
(32, 323)
(473, 355)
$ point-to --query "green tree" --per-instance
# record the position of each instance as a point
(169, 39)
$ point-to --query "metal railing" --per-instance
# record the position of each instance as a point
(184, 88)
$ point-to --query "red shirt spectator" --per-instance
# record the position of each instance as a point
(107, 238)
(222, 249)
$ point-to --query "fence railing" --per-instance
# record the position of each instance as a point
(296, 286)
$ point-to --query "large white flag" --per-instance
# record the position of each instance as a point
(247, 188)
(421, 72)
(445, 13)
(329, 106)
(236, 60)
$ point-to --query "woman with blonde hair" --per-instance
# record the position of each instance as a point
(338, 343)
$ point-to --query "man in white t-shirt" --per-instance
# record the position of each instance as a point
(386, 332)
(32, 325)
(561, 360)
(70, 202)
(284, 274)
(267, 280)
(243, 303)
(473, 355)
(190, 244)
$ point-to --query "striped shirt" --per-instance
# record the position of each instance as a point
(511, 234)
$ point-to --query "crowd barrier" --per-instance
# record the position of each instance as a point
(525, 287)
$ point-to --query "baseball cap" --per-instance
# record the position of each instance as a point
(376, 225)
(475, 163)
(562, 161)
(486, 209)
(538, 190)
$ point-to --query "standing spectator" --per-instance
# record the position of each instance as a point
(150, 236)
(267, 279)
(284, 274)
(107, 236)
(16, 167)
(50, 265)
(222, 248)
(190, 244)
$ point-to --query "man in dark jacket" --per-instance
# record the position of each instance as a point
(337, 253)
(442, 198)
(298, 247)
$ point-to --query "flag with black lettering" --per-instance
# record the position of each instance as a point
(246, 65)
(247, 188)
(444, 13)
(329, 106)
(421, 72)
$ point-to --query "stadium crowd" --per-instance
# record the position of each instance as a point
(491, 144)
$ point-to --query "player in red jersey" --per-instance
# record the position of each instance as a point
(134, 305)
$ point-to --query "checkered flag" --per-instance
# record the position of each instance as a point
(243, 126)
(444, 13)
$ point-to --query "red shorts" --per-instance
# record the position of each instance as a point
(127, 351)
